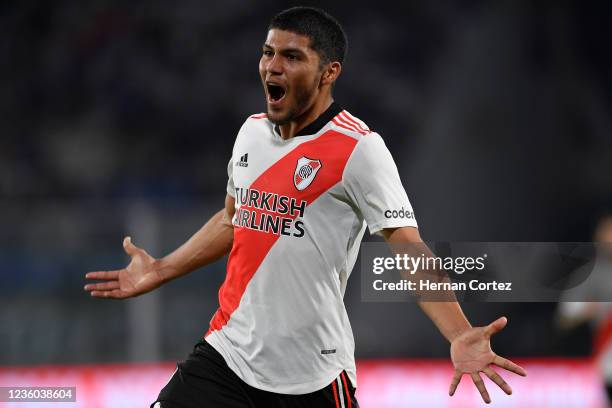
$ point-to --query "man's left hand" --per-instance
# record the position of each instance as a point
(471, 353)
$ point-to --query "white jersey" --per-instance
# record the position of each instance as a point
(302, 206)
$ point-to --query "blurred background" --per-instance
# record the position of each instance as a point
(119, 118)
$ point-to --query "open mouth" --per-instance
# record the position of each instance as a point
(275, 92)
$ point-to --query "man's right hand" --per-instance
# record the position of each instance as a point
(141, 276)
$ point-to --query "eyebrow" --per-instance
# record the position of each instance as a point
(286, 50)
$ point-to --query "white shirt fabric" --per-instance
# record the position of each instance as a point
(302, 206)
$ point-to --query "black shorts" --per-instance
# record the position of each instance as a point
(204, 380)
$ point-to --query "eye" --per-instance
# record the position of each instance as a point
(267, 53)
(291, 57)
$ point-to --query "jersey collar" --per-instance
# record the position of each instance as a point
(319, 122)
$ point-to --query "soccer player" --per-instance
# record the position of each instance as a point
(304, 180)
(571, 314)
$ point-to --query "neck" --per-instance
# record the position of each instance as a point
(291, 128)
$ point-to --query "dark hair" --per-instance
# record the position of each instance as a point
(326, 35)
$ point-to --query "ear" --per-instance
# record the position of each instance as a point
(331, 72)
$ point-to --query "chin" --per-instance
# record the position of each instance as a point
(278, 118)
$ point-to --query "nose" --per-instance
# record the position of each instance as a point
(274, 65)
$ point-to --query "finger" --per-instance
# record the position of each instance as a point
(497, 379)
(105, 275)
(109, 294)
(455, 382)
(509, 365)
(102, 286)
(496, 326)
(481, 387)
(130, 248)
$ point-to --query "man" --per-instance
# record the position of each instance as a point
(593, 309)
(304, 180)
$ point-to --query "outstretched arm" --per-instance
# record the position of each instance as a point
(470, 346)
(145, 273)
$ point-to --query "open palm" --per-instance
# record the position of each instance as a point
(139, 277)
(471, 353)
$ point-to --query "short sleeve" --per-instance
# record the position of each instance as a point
(230, 165)
(230, 178)
(373, 185)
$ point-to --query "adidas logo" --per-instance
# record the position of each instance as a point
(243, 160)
